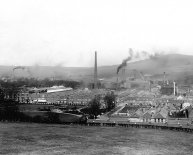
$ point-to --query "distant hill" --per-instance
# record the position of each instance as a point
(177, 67)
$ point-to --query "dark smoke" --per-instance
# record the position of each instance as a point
(124, 63)
(138, 56)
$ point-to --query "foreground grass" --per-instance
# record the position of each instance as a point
(25, 138)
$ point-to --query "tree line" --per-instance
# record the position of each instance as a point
(32, 82)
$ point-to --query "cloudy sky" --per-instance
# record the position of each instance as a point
(67, 32)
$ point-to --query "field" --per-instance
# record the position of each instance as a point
(26, 138)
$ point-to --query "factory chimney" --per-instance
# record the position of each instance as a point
(164, 77)
(174, 88)
(95, 71)
(123, 74)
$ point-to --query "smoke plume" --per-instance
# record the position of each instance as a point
(124, 62)
(136, 56)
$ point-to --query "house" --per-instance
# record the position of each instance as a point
(161, 116)
(140, 111)
(137, 116)
(147, 117)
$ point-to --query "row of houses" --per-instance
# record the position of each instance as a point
(152, 114)
(144, 114)
(79, 97)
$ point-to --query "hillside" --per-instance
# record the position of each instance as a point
(176, 66)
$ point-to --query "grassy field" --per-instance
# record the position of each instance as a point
(25, 138)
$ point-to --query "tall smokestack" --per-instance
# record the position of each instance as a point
(123, 74)
(174, 88)
(95, 71)
(150, 85)
(164, 77)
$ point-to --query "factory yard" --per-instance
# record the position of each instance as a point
(31, 138)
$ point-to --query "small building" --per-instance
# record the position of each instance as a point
(136, 117)
(146, 117)
(161, 116)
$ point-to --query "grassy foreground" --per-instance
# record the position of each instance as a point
(27, 138)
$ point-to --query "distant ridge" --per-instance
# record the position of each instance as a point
(176, 66)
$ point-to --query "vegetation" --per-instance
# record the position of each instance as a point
(110, 101)
(94, 109)
(95, 106)
(32, 82)
(22, 138)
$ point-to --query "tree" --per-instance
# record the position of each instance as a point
(94, 108)
(109, 100)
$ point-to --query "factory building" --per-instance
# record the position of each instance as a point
(168, 88)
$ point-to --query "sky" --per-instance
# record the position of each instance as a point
(68, 32)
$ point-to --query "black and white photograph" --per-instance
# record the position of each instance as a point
(96, 77)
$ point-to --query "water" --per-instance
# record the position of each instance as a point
(26, 138)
